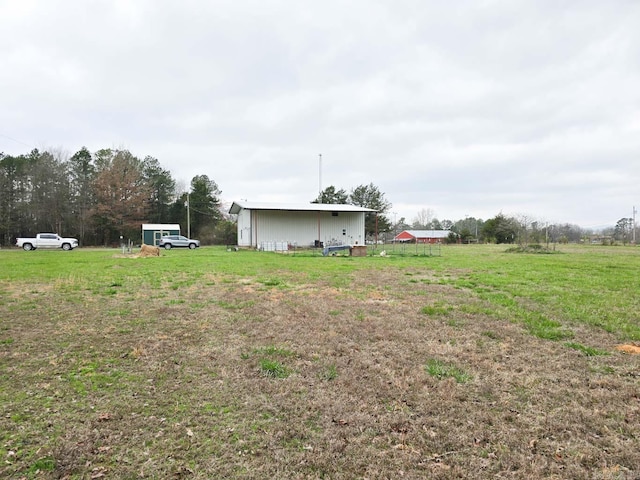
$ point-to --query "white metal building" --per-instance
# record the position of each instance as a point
(304, 224)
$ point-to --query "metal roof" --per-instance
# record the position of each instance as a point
(426, 233)
(300, 207)
(160, 226)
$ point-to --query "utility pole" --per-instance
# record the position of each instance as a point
(546, 235)
(188, 218)
(320, 178)
(395, 225)
(634, 224)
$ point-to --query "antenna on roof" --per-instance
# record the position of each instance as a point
(320, 178)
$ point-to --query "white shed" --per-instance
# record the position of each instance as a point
(304, 224)
(153, 232)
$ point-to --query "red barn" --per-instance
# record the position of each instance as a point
(422, 236)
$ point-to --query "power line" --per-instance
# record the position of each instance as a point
(634, 224)
(201, 212)
(15, 140)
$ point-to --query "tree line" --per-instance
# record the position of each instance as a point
(517, 229)
(509, 229)
(102, 197)
(367, 196)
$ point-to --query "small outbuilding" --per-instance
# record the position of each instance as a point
(422, 236)
(153, 232)
(275, 226)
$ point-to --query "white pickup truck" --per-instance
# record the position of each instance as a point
(47, 240)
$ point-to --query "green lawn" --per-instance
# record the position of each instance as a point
(472, 363)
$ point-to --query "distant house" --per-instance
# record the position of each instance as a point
(422, 236)
(305, 224)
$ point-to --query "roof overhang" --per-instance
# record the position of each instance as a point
(160, 226)
(236, 207)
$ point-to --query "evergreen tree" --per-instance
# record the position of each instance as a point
(500, 229)
(332, 196)
(204, 205)
(162, 190)
(369, 196)
(82, 174)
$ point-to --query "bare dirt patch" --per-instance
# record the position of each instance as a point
(628, 348)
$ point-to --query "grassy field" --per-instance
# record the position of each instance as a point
(476, 363)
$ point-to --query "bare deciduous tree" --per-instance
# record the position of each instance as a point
(122, 196)
(424, 218)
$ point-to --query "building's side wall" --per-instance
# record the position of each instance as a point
(304, 228)
(147, 237)
(429, 240)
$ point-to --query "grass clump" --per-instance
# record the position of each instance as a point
(436, 309)
(268, 360)
(273, 368)
(533, 248)
(272, 350)
(491, 334)
(271, 282)
(544, 328)
(236, 305)
(441, 370)
(42, 465)
(588, 351)
(329, 373)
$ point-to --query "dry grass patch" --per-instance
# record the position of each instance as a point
(164, 390)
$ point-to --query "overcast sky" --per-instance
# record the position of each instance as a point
(465, 108)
